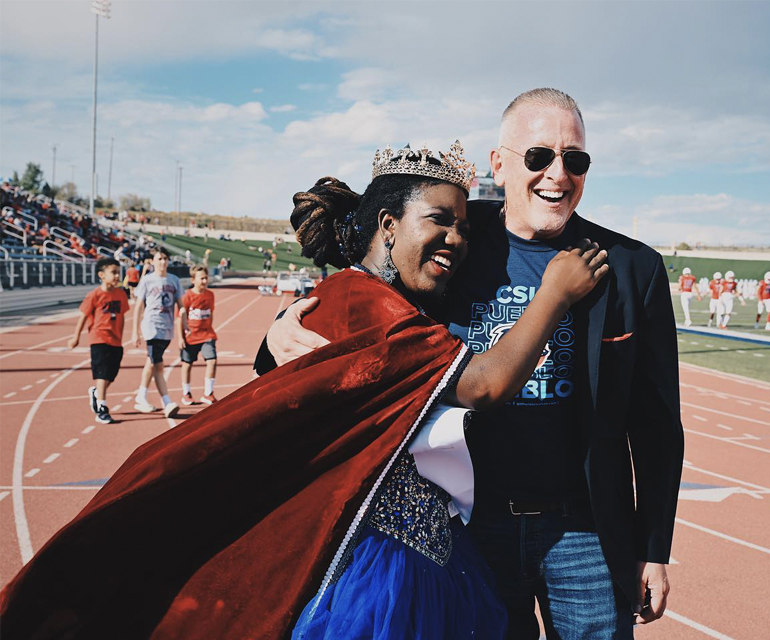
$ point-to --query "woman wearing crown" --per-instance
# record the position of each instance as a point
(299, 489)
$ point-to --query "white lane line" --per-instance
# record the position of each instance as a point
(728, 440)
(19, 513)
(765, 408)
(724, 536)
(9, 395)
(725, 427)
(758, 487)
(30, 474)
(743, 402)
(61, 488)
(117, 407)
(41, 381)
(701, 418)
(51, 458)
(71, 443)
(734, 377)
(764, 423)
(33, 347)
(26, 387)
(3, 494)
(127, 399)
(88, 430)
(696, 625)
(80, 397)
(708, 392)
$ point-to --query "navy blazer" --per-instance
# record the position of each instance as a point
(630, 418)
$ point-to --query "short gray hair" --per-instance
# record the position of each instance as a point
(545, 97)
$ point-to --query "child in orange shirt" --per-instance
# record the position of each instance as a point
(200, 337)
(104, 309)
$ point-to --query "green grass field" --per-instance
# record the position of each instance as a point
(730, 356)
(701, 267)
(243, 258)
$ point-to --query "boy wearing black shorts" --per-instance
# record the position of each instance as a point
(104, 309)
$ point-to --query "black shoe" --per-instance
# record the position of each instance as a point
(92, 399)
(103, 415)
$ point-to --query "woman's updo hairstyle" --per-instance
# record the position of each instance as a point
(336, 226)
(319, 219)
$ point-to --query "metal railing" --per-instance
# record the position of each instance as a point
(63, 234)
(31, 219)
(24, 274)
(104, 251)
(51, 247)
(15, 231)
(7, 255)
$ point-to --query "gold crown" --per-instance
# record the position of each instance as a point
(451, 167)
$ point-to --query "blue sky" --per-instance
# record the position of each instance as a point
(257, 100)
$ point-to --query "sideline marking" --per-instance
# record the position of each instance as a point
(730, 440)
(19, 513)
(725, 427)
(696, 625)
(51, 458)
(764, 423)
(734, 377)
(71, 443)
(708, 392)
(724, 536)
(701, 418)
(34, 346)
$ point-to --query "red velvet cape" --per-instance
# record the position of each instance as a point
(224, 526)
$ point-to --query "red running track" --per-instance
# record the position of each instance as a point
(54, 457)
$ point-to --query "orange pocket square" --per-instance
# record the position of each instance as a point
(625, 336)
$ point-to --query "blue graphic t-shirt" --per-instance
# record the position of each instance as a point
(530, 448)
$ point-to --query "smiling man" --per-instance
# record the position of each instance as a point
(555, 512)
(575, 481)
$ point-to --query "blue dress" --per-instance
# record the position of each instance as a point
(414, 574)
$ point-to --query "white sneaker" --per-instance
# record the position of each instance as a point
(171, 409)
(92, 399)
(143, 406)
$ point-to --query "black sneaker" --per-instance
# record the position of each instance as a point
(103, 415)
(92, 399)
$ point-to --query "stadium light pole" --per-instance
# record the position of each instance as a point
(53, 174)
(101, 8)
(109, 175)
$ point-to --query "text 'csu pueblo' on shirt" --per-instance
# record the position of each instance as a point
(106, 312)
(200, 307)
(530, 448)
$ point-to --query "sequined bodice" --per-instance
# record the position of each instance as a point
(414, 510)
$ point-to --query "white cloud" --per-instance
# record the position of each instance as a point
(710, 219)
(283, 108)
(367, 84)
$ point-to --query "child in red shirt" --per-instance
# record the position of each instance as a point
(104, 309)
(200, 337)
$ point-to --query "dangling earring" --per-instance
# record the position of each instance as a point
(388, 271)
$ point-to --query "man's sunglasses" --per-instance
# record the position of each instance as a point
(539, 158)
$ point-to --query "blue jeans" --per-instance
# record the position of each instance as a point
(558, 560)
